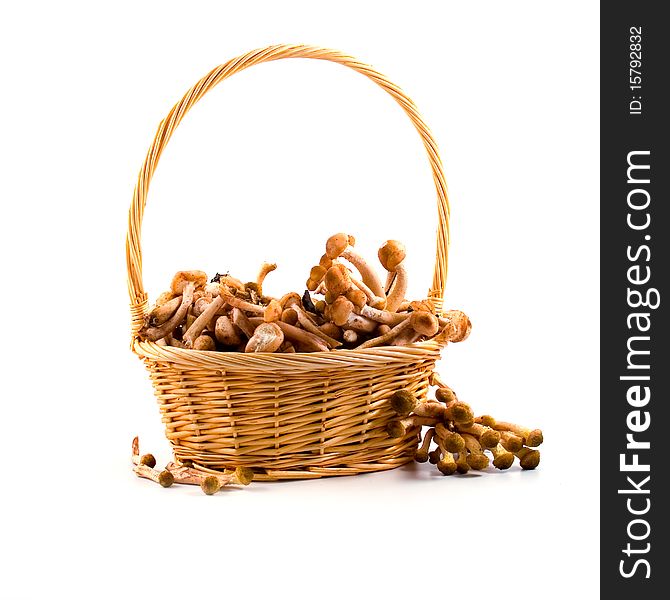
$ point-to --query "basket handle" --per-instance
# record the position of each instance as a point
(138, 297)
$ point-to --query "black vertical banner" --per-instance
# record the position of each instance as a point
(635, 260)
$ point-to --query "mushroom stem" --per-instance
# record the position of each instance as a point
(368, 274)
(378, 302)
(360, 324)
(510, 441)
(311, 327)
(202, 321)
(532, 438)
(430, 408)
(387, 337)
(476, 457)
(262, 274)
(421, 454)
(397, 294)
(502, 459)
(383, 316)
(308, 341)
(488, 438)
(239, 303)
(156, 333)
(242, 322)
(528, 458)
(399, 428)
(163, 312)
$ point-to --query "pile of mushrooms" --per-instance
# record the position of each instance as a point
(209, 482)
(345, 306)
(460, 439)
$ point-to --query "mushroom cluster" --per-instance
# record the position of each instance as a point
(345, 305)
(209, 482)
(460, 439)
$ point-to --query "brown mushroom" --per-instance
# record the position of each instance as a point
(267, 338)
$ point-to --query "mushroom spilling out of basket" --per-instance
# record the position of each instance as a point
(346, 306)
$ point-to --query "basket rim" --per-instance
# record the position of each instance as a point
(298, 361)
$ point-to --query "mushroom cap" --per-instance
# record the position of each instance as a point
(504, 460)
(357, 297)
(337, 280)
(210, 485)
(424, 323)
(459, 325)
(445, 395)
(421, 455)
(336, 244)
(267, 338)
(478, 461)
(461, 412)
(244, 475)
(291, 298)
(181, 278)
(204, 342)
(149, 460)
(530, 460)
(487, 420)
(273, 311)
(391, 254)
(165, 478)
(454, 442)
(462, 465)
(403, 402)
(395, 429)
(317, 272)
(434, 456)
(340, 310)
(535, 438)
(447, 466)
(489, 438)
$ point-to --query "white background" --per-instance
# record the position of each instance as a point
(266, 167)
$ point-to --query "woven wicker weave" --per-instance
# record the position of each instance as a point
(293, 415)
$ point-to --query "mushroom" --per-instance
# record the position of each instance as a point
(273, 311)
(155, 333)
(236, 302)
(391, 255)
(476, 457)
(452, 441)
(349, 336)
(403, 402)
(308, 341)
(383, 316)
(225, 332)
(528, 458)
(421, 454)
(203, 320)
(488, 438)
(331, 330)
(531, 437)
(421, 322)
(340, 245)
(399, 428)
(378, 302)
(204, 342)
(182, 278)
(267, 338)
(262, 274)
(510, 441)
(340, 310)
(311, 327)
(455, 326)
(210, 485)
(146, 470)
(241, 321)
(357, 297)
(502, 459)
(337, 280)
(290, 315)
(446, 465)
(462, 465)
(430, 408)
(162, 312)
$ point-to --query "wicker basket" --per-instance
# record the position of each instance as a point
(290, 416)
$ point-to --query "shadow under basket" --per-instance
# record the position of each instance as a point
(288, 416)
